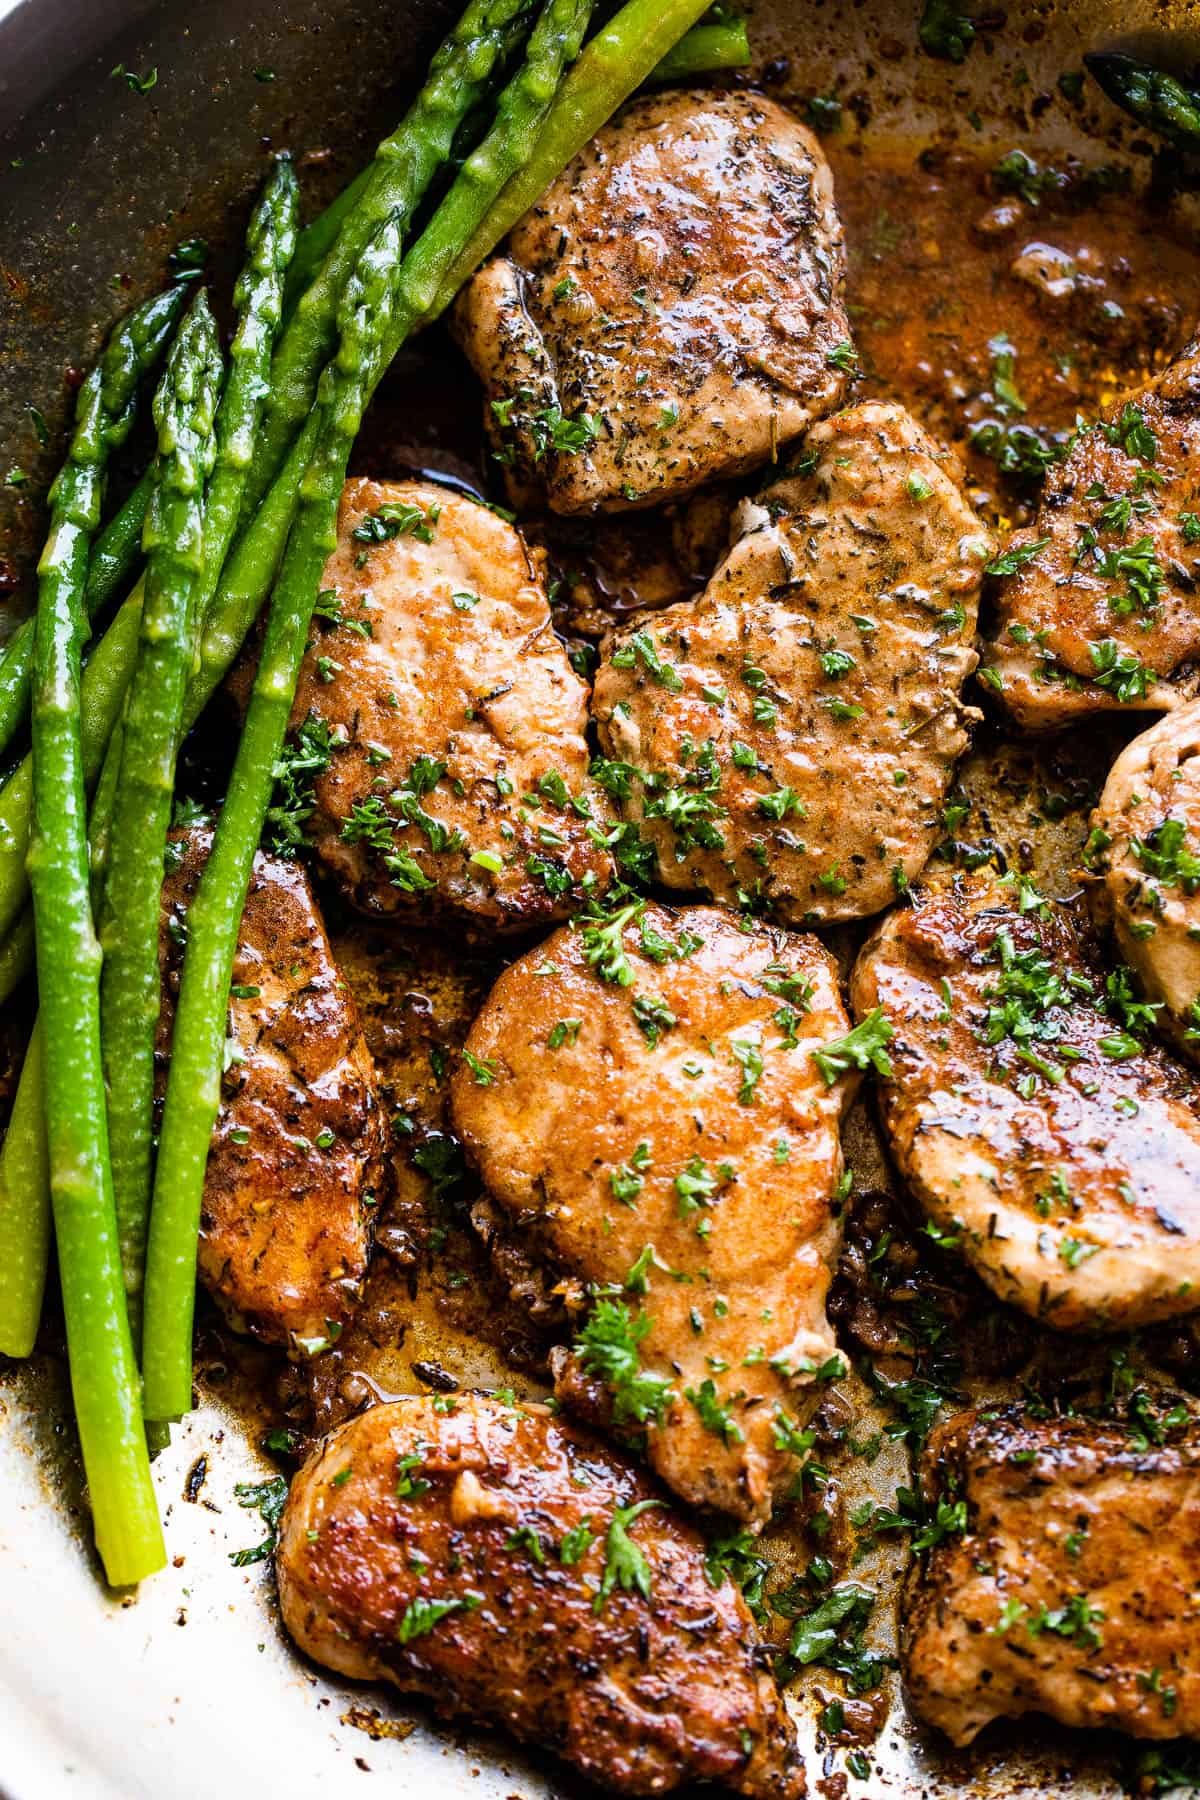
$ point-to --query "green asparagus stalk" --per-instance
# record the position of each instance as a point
(705, 50)
(615, 62)
(114, 553)
(214, 918)
(404, 165)
(24, 1208)
(117, 552)
(99, 1346)
(318, 238)
(1154, 98)
(24, 1155)
(521, 111)
(102, 695)
(258, 303)
(244, 586)
(174, 544)
(24, 1185)
(16, 955)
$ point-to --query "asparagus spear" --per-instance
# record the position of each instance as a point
(102, 695)
(100, 1350)
(129, 990)
(258, 302)
(615, 62)
(704, 50)
(16, 955)
(24, 1208)
(1154, 98)
(214, 919)
(404, 165)
(173, 541)
(271, 242)
(521, 111)
(114, 553)
(24, 1158)
(24, 1188)
(318, 238)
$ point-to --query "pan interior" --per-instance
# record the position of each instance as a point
(191, 1689)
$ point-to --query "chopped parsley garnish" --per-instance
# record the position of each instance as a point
(749, 1058)
(608, 1347)
(1119, 671)
(862, 1048)
(300, 762)
(944, 31)
(642, 648)
(1075, 1619)
(1132, 434)
(408, 1485)
(1029, 991)
(394, 519)
(735, 1557)
(625, 1565)
(1014, 558)
(628, 1179)
(653, 1017)
(695, 1186)
(420, 1616)
(267, 1499)
(603, 944)
(779, 804)
(480, 1067)
(577, 1542)
(715, 1415)
(552, 430)
(1162, 854)
(638, 1279)
(831, 1634)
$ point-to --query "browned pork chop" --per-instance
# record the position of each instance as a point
(510, 1567)
(1099, 612)
(296, 1162)
(1146, 843)
(788, 738)
(1032, 1124)
(642, 1102)
(448, 719)
(1072, 1590)
(671, 310)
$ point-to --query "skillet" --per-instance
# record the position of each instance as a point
(192, 1691)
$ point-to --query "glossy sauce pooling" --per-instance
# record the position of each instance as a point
(1090, 289)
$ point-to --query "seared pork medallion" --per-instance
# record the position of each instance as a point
(297, 1159)
(443, 720)
(654, 1101)
(1032, 1122)
(513, 1569)
(1098, 607)
(1146, 843)
(787, 739)
(1072, 1588)
(670, 312)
